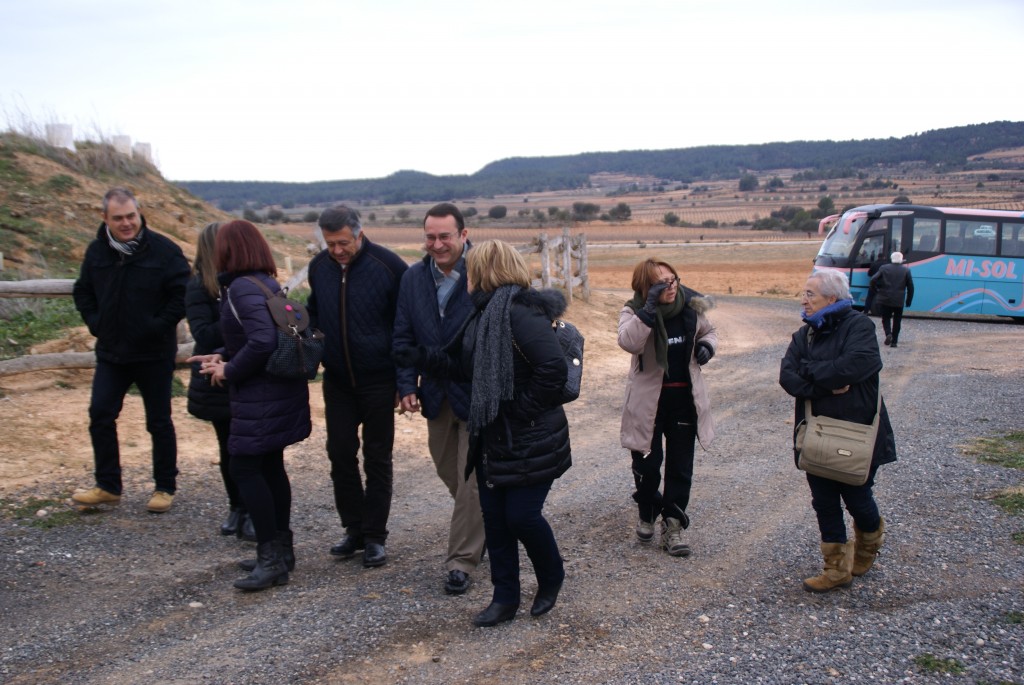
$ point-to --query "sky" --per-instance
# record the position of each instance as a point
(312, 90)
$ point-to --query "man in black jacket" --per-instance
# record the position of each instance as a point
(131, 294)
(354, 290)
(891, 286)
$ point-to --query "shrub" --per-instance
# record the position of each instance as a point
(312, 216)
(497, 212)
(671, 219)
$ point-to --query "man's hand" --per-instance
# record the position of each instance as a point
(410, 403)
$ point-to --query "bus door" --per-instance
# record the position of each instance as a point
(932, 287)
(868, 257)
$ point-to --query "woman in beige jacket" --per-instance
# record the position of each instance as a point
(666, 330)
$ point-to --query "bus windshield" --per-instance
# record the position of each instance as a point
(838, 245)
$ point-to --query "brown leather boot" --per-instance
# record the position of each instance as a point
(866, 548)
(837, 568)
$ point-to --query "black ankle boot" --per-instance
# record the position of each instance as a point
(285, 541)
(246, 530)
(545, 600)
(495, 614)
(270, 568)
(233, 522)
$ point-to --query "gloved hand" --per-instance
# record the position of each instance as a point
(651, 306)
(703, 353)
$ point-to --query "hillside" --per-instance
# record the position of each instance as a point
(962, 148)
(51, 202)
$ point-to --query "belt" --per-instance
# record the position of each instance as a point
(675, 385)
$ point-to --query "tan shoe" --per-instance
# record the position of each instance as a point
(160, 502)
(94, 496)
(672, 538)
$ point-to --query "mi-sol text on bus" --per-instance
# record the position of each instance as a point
(964, 261)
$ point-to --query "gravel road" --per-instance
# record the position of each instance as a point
(124, 597)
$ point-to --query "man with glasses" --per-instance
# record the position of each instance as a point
(433, 303)
(354, 291)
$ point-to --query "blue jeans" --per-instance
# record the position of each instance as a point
(363, 510)
(511, 516)
(109, 386)
(828, 497)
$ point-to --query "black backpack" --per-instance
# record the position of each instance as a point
(571, 340)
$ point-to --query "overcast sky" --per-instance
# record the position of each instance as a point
(322, 89)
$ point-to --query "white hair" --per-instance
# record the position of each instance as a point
(833, 283)
(896, 258)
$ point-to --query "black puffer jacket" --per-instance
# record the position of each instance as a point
(133, 303)
(528, 442)
(205, 400)
(844, 352)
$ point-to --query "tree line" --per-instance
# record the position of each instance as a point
(948, 149)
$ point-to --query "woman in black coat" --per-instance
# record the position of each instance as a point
(519, 435)
(268, 413)
(833, 360)
(207, 401)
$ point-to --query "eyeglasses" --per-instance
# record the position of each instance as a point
(810, 294)
(443, 237)
(669, 282)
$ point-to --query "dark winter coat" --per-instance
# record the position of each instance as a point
(133, 303)
(844, 352)
(893, 286)
(205, 400)
(268, 413)
(528, 441)
(419, 322)
(355, 309)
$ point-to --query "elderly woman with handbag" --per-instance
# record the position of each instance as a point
(833, 361)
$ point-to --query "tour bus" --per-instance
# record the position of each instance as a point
(964, 261)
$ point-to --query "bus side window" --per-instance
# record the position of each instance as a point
(1012, 240)
(926, 232)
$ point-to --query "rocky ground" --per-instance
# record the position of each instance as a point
(123, 596)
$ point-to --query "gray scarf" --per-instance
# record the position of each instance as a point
(129, 247)
(493, 371)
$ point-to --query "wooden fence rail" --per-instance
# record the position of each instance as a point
(563, 250)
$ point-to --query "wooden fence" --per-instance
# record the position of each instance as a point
(563, 263)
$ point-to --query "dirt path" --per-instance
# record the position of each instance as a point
(126, 597)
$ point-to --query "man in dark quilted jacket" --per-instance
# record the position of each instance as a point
(354, 287)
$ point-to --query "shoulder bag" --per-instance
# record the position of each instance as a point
(837, 449)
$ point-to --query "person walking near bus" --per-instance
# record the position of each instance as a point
(131, 294)
(353, 295)
(893, 288)
(433, 303)
(666, 330)
(833, 361)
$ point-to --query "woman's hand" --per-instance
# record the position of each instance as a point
(211, 365)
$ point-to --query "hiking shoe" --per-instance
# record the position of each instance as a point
(672, 538)
(96, 495)
(644, 530)
(887, 341)
(457, 582)
(160, 502)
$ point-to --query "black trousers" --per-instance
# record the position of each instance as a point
(223, 431)
(363, 508)
(265, 490)
(676, 425)
(895, 315)
(109, 386)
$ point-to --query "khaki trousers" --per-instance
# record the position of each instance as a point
(448, 441)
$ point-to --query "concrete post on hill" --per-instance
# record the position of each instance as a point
(59, 135)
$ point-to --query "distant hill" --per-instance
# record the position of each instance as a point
(944, 149)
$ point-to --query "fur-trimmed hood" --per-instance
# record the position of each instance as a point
(701, 304)
(548, 300)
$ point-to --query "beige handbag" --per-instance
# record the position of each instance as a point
(837, 449)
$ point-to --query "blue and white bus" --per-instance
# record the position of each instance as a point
(964, 261)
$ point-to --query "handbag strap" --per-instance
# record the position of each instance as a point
(878, 408)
